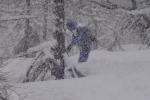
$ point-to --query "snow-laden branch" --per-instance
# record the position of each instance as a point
(111, 6)
(18, 17)
(105, 5)
(141, 11)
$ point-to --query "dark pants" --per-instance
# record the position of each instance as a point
(84, 54)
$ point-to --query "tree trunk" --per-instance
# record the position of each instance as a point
(28, 28)
(24, 43)
(59, 33)
(45, 6)
(134, 5)
(27, 21)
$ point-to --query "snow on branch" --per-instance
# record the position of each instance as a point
(18, 17)
(40, 47)
(11, 10)
(141, 11)
(111, 6)
(105, 5)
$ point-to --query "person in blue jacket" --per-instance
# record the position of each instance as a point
(82, 38)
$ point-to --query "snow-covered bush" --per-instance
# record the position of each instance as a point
(45, 65)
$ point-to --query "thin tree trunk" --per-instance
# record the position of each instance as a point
(96, 32)
(45, 6)
(27, 26)
(27, 21)
(134, 5)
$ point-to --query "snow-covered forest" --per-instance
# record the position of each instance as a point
(74, 49)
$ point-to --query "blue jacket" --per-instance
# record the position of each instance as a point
(83, 37)
(83, 40)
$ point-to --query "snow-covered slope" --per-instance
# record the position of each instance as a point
(110, 76)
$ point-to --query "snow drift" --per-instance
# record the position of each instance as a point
(110, 76)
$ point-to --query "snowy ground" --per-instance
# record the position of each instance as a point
(110, 76)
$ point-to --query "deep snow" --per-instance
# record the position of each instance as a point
(109, 76)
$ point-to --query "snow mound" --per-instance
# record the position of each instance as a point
(16, 69)
(110, 76)
(105, 86)
(99, 62)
